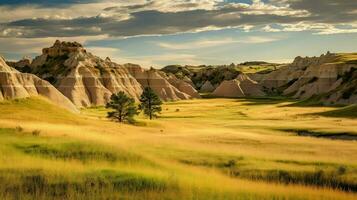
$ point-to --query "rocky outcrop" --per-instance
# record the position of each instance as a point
(331, 83)
(328, 79)
(85, 79)
(14, 84)
(181, 85)
(304, 62)
(207, 87)
(153, 79)
(284, 77)
(242, 86)
(63, 48)
(21, 64)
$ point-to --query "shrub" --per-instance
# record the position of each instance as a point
(19, 129)
(36, 132)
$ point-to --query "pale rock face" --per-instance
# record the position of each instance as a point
(316, 77)
(83, 88)
(14, 84)
(313, 61)
(249, 87)
(189, 81)
(322, 78)
(281, 76)
(293, 71)
(317, 80)
(242, 86)
(181, 85)
(152, 78)
(229, 89)
(90, 80)
(63, 48)
(207, 87)
(4, 67)
(256, 76)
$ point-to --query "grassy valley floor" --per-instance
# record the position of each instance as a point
(197, 149)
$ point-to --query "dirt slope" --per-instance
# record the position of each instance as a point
(14, 84)
(242, 86)
(328, 79)
(85, 79)
(153, 79)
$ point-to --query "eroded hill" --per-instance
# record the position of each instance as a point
(328, 79)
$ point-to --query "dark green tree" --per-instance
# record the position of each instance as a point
(150, 103)
(123, 106)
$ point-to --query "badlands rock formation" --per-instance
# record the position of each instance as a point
(286, 75)
(14, 84)
(153, 79)
(200, 74)
(207, 87)
(329, 79)
(325, 76)
(85, 79)
(182, 85)
(242, 86)
(88, 80)
(22, 65)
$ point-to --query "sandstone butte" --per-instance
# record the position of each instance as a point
(14, 84)
(329, 79)
(88, 80)
(207, 87)
(242, 86)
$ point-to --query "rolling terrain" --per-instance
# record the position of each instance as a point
(197, 149)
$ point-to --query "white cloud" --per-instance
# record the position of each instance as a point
(260, 8)
(336, 31)
(317, 28)
(268, 28)
(215, 42)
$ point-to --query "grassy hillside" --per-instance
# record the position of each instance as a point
(198, 149)
(348, 111)
(350, 58)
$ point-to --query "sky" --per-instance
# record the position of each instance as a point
(156, 33)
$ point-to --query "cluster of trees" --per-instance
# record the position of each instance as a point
(124, 108)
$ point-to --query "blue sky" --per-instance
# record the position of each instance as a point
(160, 32)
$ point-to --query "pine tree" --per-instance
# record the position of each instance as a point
(150, 103)
(124, 107)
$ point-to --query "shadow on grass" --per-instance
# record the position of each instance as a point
(322, 134)
(345, 112)
(332, 177)
(319, 177)
(177, 117)
(265, 100)
(103, 184)
(63, 148)
(314, 101)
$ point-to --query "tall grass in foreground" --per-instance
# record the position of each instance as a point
(227, 151)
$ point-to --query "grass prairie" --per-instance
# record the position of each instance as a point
(197, 149)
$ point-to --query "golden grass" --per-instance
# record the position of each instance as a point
(197, 149)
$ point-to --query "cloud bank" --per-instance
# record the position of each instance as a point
(72, 18)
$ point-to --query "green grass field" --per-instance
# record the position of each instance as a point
(197, 149)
